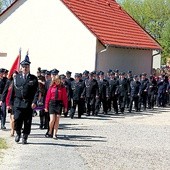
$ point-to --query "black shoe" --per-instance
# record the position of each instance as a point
(24, 141)
(17, 138)
(47, 135)
(3, 127)
(45, 127)
(71, 116)
(109, 110)
(41, 126)
(65, 114)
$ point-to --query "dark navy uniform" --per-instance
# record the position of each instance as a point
(24, 93)
(123, 90)
(103, 94)
(77, 88)
(2, 98)
(69, 80)
(143, 91)
(152, 89)
(162, 90)
(134, 94)
(91, 90)
(113, 86)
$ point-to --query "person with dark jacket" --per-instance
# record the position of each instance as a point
(24, 97)
(103, 93)
(134, 93)
(113, 98)
(162, 90)
(78, 99)
(143, 91)
(3, 81)
(152, 89)
(123, 91)
(91, 91)
(69, 80)
(6, 98)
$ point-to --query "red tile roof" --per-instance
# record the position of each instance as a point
(111, 24)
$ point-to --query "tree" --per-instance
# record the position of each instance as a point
(5, 4)
(153, 16)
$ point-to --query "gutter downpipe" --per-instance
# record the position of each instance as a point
(97, 54)
(159, 52)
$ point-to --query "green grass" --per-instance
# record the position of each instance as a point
(3, 144)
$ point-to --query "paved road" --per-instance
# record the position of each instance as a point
(126, 142)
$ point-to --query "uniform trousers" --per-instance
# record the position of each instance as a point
(3, 114)
(23, 116)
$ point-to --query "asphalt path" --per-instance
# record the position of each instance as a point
(116, 142)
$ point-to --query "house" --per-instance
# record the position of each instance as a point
(75, 35)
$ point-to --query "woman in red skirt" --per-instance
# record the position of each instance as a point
(56, 99)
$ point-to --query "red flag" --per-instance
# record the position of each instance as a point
(15, 66)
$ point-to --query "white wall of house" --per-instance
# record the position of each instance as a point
(54, 36)
(136, 60)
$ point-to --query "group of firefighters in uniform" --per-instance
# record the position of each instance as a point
(91, 92)
(94, 91)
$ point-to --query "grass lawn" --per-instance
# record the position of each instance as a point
(3, 144)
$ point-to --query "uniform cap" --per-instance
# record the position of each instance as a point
(116, 71)
(150, 77)
(68, 72)
(86, 72)
(123, 73)
(62, 76)
(94, 72)
(109, 71)
(47, 72)
(112, 73)
(77, 75)
(91, 73)
(144, 74)
(135, 76)
(54, 72)
(101, 73)
(1, 70)
(26, 61)
(43, 71)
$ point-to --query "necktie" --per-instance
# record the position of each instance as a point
(25, 77)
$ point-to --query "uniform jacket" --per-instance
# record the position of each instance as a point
(5, 91)
(91, 88)
(123, 88)
(24, 92)
(77, 88)
(162, 86)
(103, 88)
(144, 85)
(152, 87)
(113, 86)
(2, 84)
(134, 88)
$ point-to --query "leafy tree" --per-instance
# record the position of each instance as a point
(5, 4)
